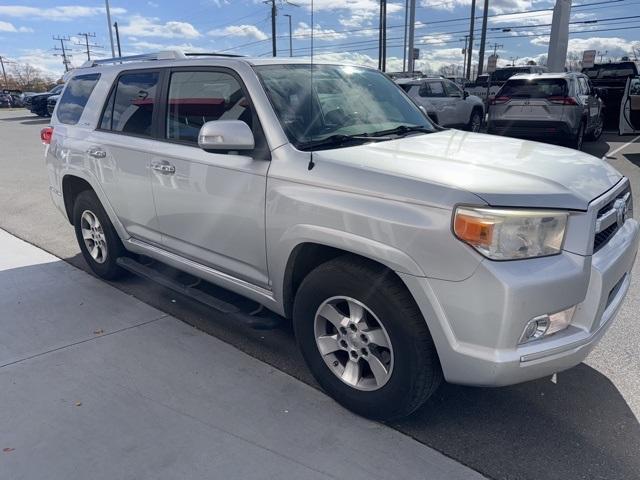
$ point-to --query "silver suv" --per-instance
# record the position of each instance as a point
(557, 106)
(403, 253)
(445, 102)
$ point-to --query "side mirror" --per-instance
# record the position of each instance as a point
(226, 135)
(465, 94)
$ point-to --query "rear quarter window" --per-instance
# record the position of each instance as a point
(75, 98)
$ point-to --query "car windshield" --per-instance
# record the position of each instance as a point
(537, 88)
(612, 70)
(344, 101)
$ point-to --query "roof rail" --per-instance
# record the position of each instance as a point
(163, 55)
(212, 54)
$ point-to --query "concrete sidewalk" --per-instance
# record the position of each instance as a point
(96, 384)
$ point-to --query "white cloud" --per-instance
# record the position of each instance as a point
(62, 13)
(144, 46)
(9, 27)
(361, 7)
(436, 39)
(152, 27)
(318, 32)
(153, 4)
(239, 31)
(615, 47)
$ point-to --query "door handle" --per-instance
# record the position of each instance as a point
(163, 167)
(97, 153)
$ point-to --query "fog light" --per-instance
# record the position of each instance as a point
(546, 325)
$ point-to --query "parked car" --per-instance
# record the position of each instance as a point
(5, 100)
(403, 253)
(499, 78)
(38, 103)
(610, 80)
(445, 102)
(51, 103)
(556, 106)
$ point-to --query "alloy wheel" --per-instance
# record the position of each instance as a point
(93, 236)
(353, 343)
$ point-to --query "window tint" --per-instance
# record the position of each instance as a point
(199, 97)
(538, 88)
(452, 89)
(75, 98)
(432, 89)
(130, 107)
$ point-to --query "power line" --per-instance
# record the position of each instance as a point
(86, 43)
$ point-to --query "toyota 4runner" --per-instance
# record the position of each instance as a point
(404, 253)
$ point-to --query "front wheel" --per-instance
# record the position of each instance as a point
(475, 121)
(364, 339)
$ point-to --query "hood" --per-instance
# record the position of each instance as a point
(502, 171)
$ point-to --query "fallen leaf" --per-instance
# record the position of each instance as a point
(8, 449)
(98, 332)
(78, 404)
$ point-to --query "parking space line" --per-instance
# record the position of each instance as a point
(611, 154)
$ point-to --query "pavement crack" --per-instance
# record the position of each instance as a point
(79, 342)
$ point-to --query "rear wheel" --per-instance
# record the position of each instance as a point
(475, 121)
(98, 240)
(364, 339)
(597, 131)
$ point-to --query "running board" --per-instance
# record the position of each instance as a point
(246, 311)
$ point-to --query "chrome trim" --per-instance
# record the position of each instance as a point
(605, 220)
(223, 279)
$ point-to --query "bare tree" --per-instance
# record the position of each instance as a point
(26, 77)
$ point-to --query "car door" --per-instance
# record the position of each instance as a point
(591, 110)
(629, 121)
(119, 151)
(460, 107)
(210, 204)
(443, 105)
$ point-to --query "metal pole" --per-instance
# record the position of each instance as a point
(290, 36)
(384, 35)
(471, 28)
(274, 12)
(406, 22)
(380, 37)
(483, 38)
(4, 73)
(464, 63)
(412, 26)
(86, 42)
(115, 25)
(64, 56)
(106, 4)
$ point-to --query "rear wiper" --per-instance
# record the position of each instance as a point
(338, 140)
(402, 130)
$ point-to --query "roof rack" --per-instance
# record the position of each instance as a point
(163, 55)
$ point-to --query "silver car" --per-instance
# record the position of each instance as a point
(403, 253)
(445, 102)
(552, 106)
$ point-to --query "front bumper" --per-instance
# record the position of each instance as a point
(476, 323)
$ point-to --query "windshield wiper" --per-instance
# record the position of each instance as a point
(338, 140)
(402, 130)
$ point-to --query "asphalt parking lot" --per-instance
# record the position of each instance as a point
(583, 425)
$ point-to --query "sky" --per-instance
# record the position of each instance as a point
(344, 30)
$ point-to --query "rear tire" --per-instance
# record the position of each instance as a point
(98, 240)
(359, 289)
(597, 132)
(475, 121)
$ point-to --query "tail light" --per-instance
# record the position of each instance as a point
(563, 100)
(46, 134)
(498, 100)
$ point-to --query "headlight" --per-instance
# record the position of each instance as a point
(509, 234)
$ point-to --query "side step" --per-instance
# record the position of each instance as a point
(240, 308)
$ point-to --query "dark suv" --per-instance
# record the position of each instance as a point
(610, 79)
(39, 102)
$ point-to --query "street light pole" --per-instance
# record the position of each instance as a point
(412, 26)
(290, 36)
(113, 50)
(483, 38)
(471, 28)
(115, 25)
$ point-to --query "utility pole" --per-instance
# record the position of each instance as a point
(274, 12)
(65, 56)
(464, 62)
(382, 51)
(86, 43)
(412, 26)
(290, 36)
(471, 28)
(483, 38)
(115, 26)
(406, 24)
(4, 73)
(106, 5)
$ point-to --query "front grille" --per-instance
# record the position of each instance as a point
(602, 237)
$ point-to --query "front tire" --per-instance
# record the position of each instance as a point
(364, 339)
(475, 121)
(98, 240)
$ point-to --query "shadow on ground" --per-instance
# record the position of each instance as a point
(577, 428)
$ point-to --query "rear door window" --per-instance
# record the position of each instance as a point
(75, 98)
(538, 88)
(130, 106)
(432, 89)
(199, 97)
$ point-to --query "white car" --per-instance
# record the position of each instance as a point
(445, 102)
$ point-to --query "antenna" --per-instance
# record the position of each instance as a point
(311, 164)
